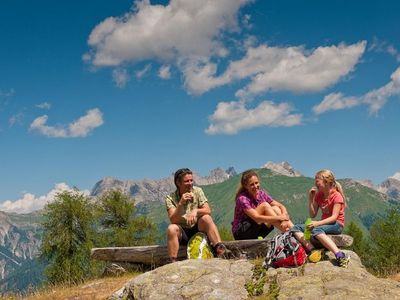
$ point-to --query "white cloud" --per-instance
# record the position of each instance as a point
(16, 119)
(180, 29)
(164, 72)
(44, 105)
(139, 74)
(120, 77)
(294, 69)
(30, 202)
(191, 35)
(335, 101)
(79, 128)
(231, 117)
(375, 99)
(272, 68)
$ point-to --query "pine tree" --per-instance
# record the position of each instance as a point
(360, 244)
(120, 225)
(67, 238)
(385, 234)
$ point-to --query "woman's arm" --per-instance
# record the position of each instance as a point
(258, 218)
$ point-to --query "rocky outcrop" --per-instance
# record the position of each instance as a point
(191, 279)
(391, 187)
(283, 168)
(156, 190)
(16, 245)
(233, 279)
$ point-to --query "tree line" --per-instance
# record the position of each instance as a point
(74, 224)
(379, 251)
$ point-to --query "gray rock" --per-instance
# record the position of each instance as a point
(324, 280)
(226, 279)
(192, 279)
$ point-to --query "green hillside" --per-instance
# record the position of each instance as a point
(363, 204)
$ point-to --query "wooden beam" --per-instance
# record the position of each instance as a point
(158, 255)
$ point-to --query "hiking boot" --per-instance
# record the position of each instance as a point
(315, 256)
(221, 251)
(343, 261)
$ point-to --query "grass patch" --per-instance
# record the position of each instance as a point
(255, 286)
(100, 288)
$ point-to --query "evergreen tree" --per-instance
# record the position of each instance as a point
(120, 225)
(67, 238)
(360, 244)
(385, 234)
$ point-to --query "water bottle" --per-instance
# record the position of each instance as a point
(307, 231)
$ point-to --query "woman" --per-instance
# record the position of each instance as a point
(256, 213)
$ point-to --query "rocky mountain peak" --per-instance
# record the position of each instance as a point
(391, 187)
(157, 189)
(283, 168)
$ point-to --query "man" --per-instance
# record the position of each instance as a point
(189, 213)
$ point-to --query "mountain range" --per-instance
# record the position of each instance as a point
(20, 234)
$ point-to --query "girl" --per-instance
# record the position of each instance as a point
(256, 213)
(328, 196)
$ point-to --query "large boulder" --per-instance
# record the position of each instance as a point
(227, 279)
(191, 279)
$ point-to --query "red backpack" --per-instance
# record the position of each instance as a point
(285, 251)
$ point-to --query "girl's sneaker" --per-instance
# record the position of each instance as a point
(343, 261)
(315, 256)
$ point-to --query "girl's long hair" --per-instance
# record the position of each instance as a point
(246, 175)
(329, 178)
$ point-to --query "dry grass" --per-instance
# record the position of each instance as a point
(95, 289)
(395, 277)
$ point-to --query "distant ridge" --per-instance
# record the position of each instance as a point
(156, 190)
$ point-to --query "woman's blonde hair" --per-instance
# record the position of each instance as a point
(328, 177)
(246, 175)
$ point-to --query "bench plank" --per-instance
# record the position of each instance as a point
(158, 255)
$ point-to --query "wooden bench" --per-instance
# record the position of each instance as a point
(158, 255)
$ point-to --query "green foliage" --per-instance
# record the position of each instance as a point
(67, 238)
(385, 255)
(360, 244)
(225, 233)
(255, 286)
(119, 223)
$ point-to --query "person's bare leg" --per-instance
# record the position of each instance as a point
(267, 210)
(327, 242)
(207, 225)
(173, 236)
(306, 244)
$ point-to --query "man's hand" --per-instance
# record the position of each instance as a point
(186, 197)
(191, 218)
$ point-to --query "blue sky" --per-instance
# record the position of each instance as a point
(135, 90)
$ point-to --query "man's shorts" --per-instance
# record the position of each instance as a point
(187, 233)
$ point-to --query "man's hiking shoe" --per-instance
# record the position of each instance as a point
(221, 251)
(343, 261)
(315, 256)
